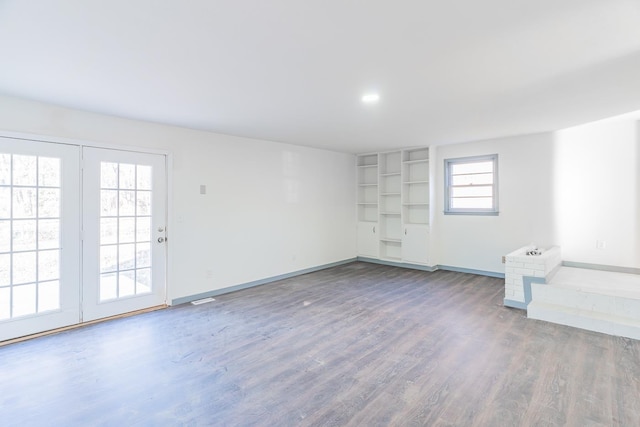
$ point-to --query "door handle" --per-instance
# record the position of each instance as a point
(374, 229)
(161, 239)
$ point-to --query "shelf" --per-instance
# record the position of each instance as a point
(416, 204)
(368, 203)
(390, 174)
(410, 162)
(416, 182)
(390, 194)
(390, 239)
(390, 213)
(368, 185)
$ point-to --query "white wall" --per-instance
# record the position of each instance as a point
(270, 208)
(598, 193)
(525, 170)
(569, 188)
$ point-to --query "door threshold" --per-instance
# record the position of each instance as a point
(80, 325)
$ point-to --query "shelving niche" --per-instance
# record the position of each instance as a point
(393, 205)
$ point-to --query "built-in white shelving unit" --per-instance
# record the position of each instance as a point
(368, 213)
(390, 205)
(393, 205)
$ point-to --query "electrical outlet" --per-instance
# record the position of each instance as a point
(601, 244)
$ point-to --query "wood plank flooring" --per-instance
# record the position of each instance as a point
(357, 345)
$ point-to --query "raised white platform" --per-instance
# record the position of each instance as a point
(595, 300)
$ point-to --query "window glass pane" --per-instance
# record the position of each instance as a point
(108, 258)
(144, 202)
(24, 235)
(5, 169)
(5, 236)
(127, 176)
(48, 233)
(480, 179)
(108, 202)
(49, 203)
(5, 202)
(475, 191)
(108, 175)
(24, 300)
(24, 267)
(5, 270)
(24, 203)
(48, 265)
(127, 203)
(143, 281)
(24, 170)
(475, 167)
(48, 296)
(143, 229)
(143, 255)
(144, 177)
(108, 286)
(126, 283)
(127, 230)
(126, 256)
(108, 231)
(48, 172)
(5, 303)
(472, 203)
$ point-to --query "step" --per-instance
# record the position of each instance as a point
(590, 301)
(601, 301)
(606, 323)
(598, 281)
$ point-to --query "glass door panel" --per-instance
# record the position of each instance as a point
(39, 247)
(124, 228)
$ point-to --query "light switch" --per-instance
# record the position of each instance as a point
(203, 189)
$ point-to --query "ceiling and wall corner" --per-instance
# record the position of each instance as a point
(295, 72)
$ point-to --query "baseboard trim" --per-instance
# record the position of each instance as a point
(470, 271)
(397, 264)
(601, 267)
(431, 268)
(260, 282)
(515, 304)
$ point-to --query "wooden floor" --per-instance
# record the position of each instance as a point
(359, 345)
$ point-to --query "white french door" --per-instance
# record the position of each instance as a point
(124, 219)
(82, 234)
(39, 236)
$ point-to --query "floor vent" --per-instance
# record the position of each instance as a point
(202, 301)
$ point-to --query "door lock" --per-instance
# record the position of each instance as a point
(161, 239)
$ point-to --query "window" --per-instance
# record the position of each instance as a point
(471, 185)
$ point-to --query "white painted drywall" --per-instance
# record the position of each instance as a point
(269, 208)
(598, 193)
(525, 166)
(570, 188)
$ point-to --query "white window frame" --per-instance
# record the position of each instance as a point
(448, 210)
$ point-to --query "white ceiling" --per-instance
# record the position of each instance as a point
(294, 70)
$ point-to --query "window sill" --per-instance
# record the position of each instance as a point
(473, 213)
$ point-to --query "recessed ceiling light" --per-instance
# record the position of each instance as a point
(370, 98)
